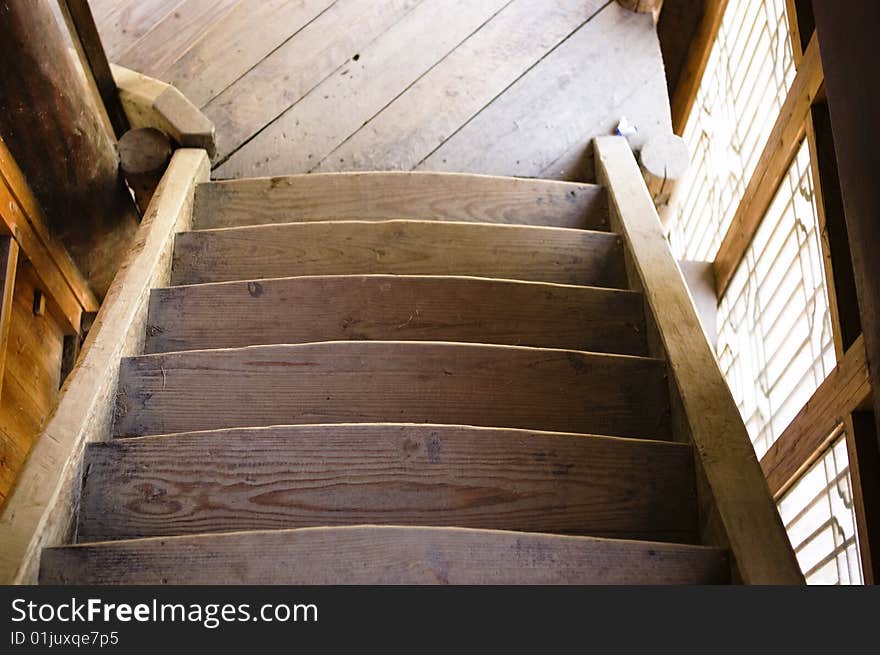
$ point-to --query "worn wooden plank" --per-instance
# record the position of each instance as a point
(379, 381)
(327, 46)
(40, 510)
(8, 266)
(543, 125)
(124, 21)
(541, 254)
(385, 68)
(458, 87)
(397, 195)
(399, 308)
(173, 35)
(782, 145)
(389, 474)
(846, 389)
(382, 555)
(742, 502)
(236, 43)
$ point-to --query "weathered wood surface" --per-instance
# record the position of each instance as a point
(60, 142)
(382, 555)
(408, 129)
(397, 308)
(387, 67)
(739, 495)
(380, 381)
(254, 31)
(171, 37)
(540, 254)
(8, 267)
(40, 510)
(610, 68)
(399, 195)
(323, 475)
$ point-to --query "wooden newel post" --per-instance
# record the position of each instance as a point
(53, 128)
(643, 6)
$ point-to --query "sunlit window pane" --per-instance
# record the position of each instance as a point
(820, 519)
(747, 77)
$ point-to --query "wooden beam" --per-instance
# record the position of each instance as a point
(40, 510)
(38, 226)
(698, 56)
(84, 33)
(60, 142)
(744, 510)
(8, 265)
(778, 153)
(845, 390)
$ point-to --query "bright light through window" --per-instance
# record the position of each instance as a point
(819, 516)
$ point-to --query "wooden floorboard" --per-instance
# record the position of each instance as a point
(381, 474)
(381, 381)
(323, 51)
(301, 137)
(382, 555)
(397, 308)
(509, 87)
(513, 252)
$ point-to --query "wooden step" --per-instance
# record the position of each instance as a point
(401, 474)
(382, 555)
(330, 308)
(382, 381)
(542, 254)
(390, 195)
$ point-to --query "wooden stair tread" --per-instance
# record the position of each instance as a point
(376, 307)
(382, 381)
(402, 474)
(390, 195)
(381, 555)
(544, 254)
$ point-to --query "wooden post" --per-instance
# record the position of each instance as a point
(55, 132)
(643, 6)
(847, 37)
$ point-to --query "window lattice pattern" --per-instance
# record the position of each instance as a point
(819, 516)
(747, 77)
(775, 344)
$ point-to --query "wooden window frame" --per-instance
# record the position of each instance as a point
(843, 400)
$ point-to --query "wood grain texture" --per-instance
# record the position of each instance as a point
(324, 49)
(236, 43)
(397, 308)
(611, 67)
(8, 268)
(382, 555)
(397, 195)
(410, 127)
(846, 390)
(540, 254)
(122, 22)
(323, 475)
(738, 491)
(31, 376)
(386, 67)
(172, 36)
(40, 510)
(381, 381)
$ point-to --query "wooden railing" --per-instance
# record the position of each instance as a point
(737, 509)
(40, 510)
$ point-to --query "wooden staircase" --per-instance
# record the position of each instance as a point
(397, 378)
